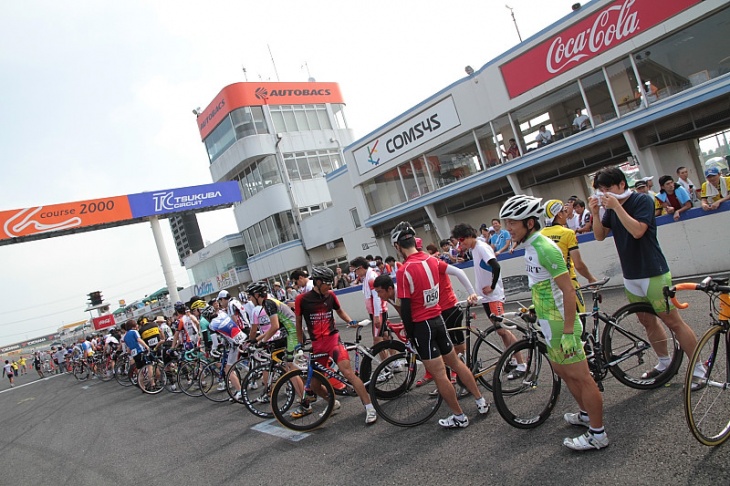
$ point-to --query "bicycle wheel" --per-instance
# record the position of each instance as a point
(707, 407)
(121, 372)
(188, 375)
(302, 413)
(386, 347)
(151, 378)
(488, 347)
(629, 351)
(212, 382)
(104, 370)
(235, 376)
(171, 377)
(527, 401)
(82, 371)
(256, 389)
(406, 405)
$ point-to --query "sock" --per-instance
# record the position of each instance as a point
(597, 432)
(584, 415)
(522, 366)
(664, 362)
(461, 417)
(369, 407)
(481, 401)
(700, 370)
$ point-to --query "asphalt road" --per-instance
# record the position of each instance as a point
(61, 431)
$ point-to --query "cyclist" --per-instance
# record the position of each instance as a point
(554, 299)
(630, 217)
(417, 284)
(376, 308)
(222, 324)
(316, 308)
(135, 344)
(87, 352)
(197, 305)
(38, 363)
(489, 284)
(565, 238)
(9, 372)
(149, 332)
(240, 313)
(186, 329)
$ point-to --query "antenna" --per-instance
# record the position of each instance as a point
(512, 11)
(245, 74)
(272, 62)
(309, 75)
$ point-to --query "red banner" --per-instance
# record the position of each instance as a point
(615, 24)
(102, 322)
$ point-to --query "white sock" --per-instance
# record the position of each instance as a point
(664, 362)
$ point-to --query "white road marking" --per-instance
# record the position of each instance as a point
(272, 428)
(32, 383)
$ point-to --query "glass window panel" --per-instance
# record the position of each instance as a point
(278, 118)
(409, 180)
(243, 122)
(250, 181)
(599, 98)
(324, 120)
(220, 139)
(339, 112)
(623, 84)
(259, 237)
(455, 160)
(275, 240)
(303, 166)
(259, 120)
(301, 117)
(269, 171)
(292, 225)
(422, 177)
(314, 164)
(384, 192)
(256, 176)
(325, 159)
(488, 146)
(313, 121)
(290, 121)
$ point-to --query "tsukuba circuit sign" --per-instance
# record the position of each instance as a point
(38, 222)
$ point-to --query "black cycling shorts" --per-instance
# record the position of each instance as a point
(431, 339)
(452, 318)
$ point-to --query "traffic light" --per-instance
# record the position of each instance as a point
(95, 298)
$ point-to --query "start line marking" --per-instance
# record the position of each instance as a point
(31, 383)
(268, 427)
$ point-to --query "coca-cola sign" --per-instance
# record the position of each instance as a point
(616, 23)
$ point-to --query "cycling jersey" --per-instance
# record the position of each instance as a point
(226, 327)
(150, 334)
(566, 240)
(188, 329)
(418, 280)
(131, 339)
(287, 321)
(317, 311)
(86, 349)
(483, 273)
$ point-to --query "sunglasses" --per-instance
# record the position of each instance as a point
(460, 240)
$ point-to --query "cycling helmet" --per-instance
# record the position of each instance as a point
(259, 287)
(209, 313)
(402, 231)
(198, 304)
(142, 321)
(552, 208)
(179, 307)
(324, 274)
(521, 207)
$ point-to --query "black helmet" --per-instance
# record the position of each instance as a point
(259, 287)
(324, 274)
(142, 321)
(209, 313)
(402, 231)
(179, 307)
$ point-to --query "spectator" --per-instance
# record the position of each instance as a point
(686, 183)
(585, 222)
(342, 281)
(500, 240)
(715, 190)
(433, 251)
(544, 136)
(291, 293)
(581, 121)
(572, 220)
(485, 233)
(301, 281)
(674, 200)
(446, 251)
(279, 293)
(394, 265)
(512, 151)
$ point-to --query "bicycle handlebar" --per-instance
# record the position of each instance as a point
(595, 286)
(707, 285)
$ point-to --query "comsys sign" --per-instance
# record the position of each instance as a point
(426, 125)
(614, 24)
(256, 94)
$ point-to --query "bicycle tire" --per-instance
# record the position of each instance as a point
(366, 365)
(486, 351)
(151, 378)
(625, 343)
(707, 409)
(103, 372)
(409, 405)
(170, 370)
(121, 372)
(258, 400)
(82, 371)
(188, 374)
(282, 402)
(239, 369)
(209, 379)
(526, 402)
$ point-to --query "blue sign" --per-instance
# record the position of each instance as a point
(184, 199)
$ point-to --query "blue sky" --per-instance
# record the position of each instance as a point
(98, 100)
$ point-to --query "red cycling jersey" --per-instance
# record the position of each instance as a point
(317, 310)
(418, 280)
(447, 298)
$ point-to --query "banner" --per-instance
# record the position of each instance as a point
(102, 322)
(184, 199)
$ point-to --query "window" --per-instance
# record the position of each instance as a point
(599, 98)
(455, 160)
(355, 218)
(300, 118)
(312, 164)
(220, 139)
(384, 192)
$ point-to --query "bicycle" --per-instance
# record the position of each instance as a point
(257, 384)
(188, 373)
(313, 378)
(211, 380)
(415, 405)
(81, 369)
(706, 399)
(619, 350)
(151, 378)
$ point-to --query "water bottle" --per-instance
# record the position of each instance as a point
(300, 361)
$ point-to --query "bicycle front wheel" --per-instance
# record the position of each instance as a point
(121, 372)
(488, 347)
(82, 371)
(256, 389)
(212, 382)
(188, 375)
(302, 413)
(525, 399)
(171, 377)
(151, 378)
(397, 399)
(104, 370)
(631, 353)
(707, 406)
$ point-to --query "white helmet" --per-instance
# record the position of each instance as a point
(521, 207)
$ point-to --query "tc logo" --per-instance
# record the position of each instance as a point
(163, 201)
(261, 93)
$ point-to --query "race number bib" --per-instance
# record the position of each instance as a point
(430, 297)
(133, 353)
(153, 341)
(239, 338)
